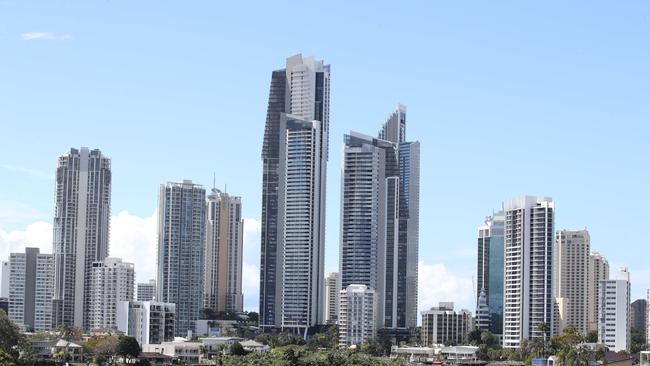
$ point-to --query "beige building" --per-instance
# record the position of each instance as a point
(598, 271)
(223, 253)
(443, 325)
(332, 293)
(571, 262)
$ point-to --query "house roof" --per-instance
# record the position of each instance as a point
(64, 343)
(616, 357)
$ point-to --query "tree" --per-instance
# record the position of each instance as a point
(12, 341)
(253, 316)
(592, 336)
(474, 337)
(236, 349)
(638, 341)
(69, 332)
(128, 348)
(6, 359)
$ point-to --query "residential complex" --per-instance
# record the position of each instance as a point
(148, 322)
(443, 325)
(31, 286)
(528, 267)
(112, 281)
(490, 270)
(181, 238)
(614, 312)
(146, 291)
(571, 263)
(356, 315)
(82, 212)
(332, 293)
(294, 156)
(222, 272)
(598, 271)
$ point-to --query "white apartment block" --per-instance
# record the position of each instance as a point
(357, 311)
(614, 312)
(112, 281)
(571, 263)
(528, 291)
(443, 325)
(31, 286)
(598, 271)
(149, 322)
(4, 279)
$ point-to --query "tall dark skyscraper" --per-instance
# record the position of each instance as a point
(379, 221)
(490, 270)
(82, 213)
(294, 157)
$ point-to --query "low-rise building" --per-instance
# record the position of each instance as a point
(72, 351)
(253, 346)
(214, 328)
(443, 325)
(189, 352)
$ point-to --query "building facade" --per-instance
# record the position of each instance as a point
(402, 311)
(294, 157)
(146, 291)
(181, 241)
(638, 316)
(112, 281)
(571, 263)
(356, 315)
(332, 294)
(82, 212)
(528, 293)
(598, 271)
(223, 253)
(4, 279)
(149, 322)
(490, 267)
(443, 325)
(31, 287)
(614, 312)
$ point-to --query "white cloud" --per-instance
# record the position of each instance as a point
(29, 171)
(37, 234)
(134, 239)
(250, 267)
(437, 283)
(16, 213)
(45, 36)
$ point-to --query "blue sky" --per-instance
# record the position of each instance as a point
(507, 98)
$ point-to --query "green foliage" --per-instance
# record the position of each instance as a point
(236, 349)
(12, 341)
(328, 339)
(128, 348)
(295, 355)
(638, 341)
(378, 346)
(6, 359)
(143, 362)
(70, 333)
(592, 337)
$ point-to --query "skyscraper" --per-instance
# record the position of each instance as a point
(370, 222)
(614, 312)
(332, 294)
(181, 241)
(112, 281)
(571, 263)
(223, 253)
(4, 279)
(529, 301)
(82, 212)
(598, 271)
(638, 316)
(294, 157)
(146, 291)
(149, 322)
(405, 294)
(490, 269)
(31, 286)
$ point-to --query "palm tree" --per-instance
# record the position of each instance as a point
(543, 328)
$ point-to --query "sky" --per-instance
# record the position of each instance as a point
(506, 98)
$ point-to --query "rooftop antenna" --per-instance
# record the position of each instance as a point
(214, 180)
